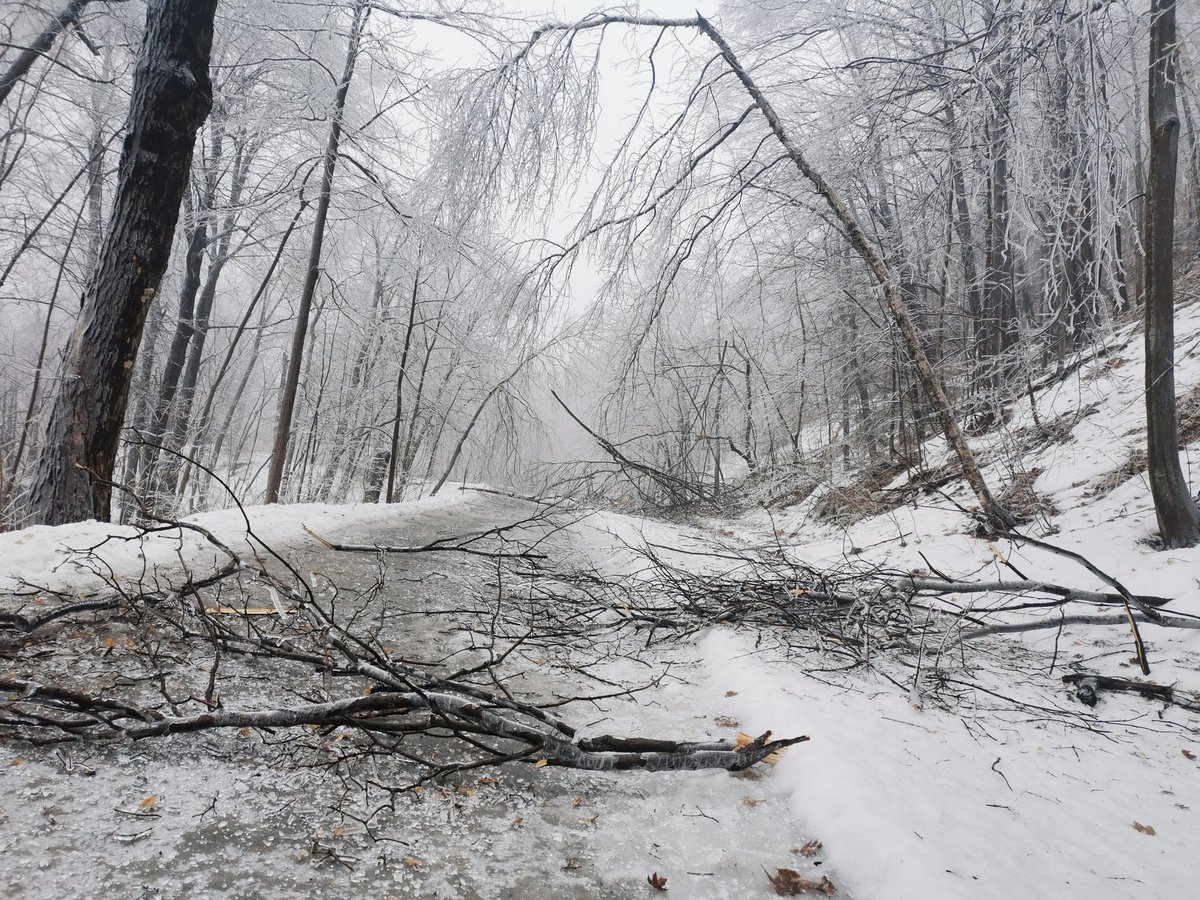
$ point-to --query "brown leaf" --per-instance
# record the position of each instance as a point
(748, 775)
(811, 848)
(577, 802)
(656, 881)
(1188, 754)
(540, 763)
(726, 722)
(750, 802)
(486, 780)
(412, 861)
(790, 883)
(1144, 829)
(731, 693)
(518, 821)
(149, 802)
(466, 791)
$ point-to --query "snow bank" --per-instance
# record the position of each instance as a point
(54, 557)
(984, 805)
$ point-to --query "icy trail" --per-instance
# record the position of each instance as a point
(218, 816)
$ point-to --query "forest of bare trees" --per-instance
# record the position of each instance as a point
(490, 447)
(792, 239)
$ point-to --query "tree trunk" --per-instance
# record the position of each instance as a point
(999, 299)
(287, 402)
(1178, 515)
(171, 97)
(394, 446)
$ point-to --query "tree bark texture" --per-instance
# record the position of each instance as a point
(1178, 516)
(171, 98)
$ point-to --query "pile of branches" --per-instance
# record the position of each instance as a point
(854, 608)
(329, 651)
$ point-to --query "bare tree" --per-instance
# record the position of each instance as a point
(287, 402)
(1178, 515)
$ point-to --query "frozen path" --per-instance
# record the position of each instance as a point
(218, 816)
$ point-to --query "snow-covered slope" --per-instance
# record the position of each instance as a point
(1003, 784)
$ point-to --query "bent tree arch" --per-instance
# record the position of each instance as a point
(994, 514)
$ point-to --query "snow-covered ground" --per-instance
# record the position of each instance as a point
(1017, 790)
(997, 783)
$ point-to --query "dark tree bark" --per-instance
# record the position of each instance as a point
(179, 414)
(171, 98)
(196, 240)
(1178, 515)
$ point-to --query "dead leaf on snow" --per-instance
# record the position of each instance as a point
(790, 883)
(726, 722)
(731, 693)
(811, 848)
(149, 802)
(1144, 829)
(412, 861)
(656, 881)
(1188, 754)
(750, 802)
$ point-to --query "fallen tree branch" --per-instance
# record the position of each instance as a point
(1048, 624)
(1089, 684)
(438, 546)
(1128, 598)
(673, 485)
